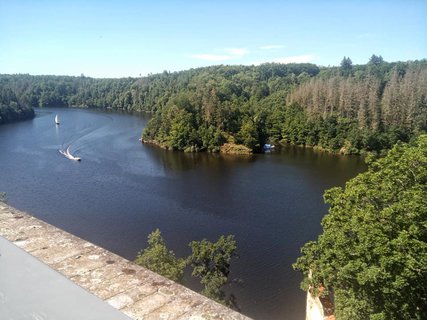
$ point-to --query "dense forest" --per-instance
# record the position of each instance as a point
(368, 108)
(350, 108)
(372, 253)
(66, 91)
(10, 108)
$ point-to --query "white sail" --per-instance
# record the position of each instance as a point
(56, 119)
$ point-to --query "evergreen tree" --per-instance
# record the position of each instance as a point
(346, 67)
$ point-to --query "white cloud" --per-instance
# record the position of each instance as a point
(237, 52)
(230, 53)
(271, 47)
(294, 59)
(211, 57)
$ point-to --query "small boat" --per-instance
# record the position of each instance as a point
(68, 155)
(268, 146)
(56, 120)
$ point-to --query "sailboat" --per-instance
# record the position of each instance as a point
(56, 120)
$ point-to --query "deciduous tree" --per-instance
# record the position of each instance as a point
(372, 253)
(158, 258)
(211, 263)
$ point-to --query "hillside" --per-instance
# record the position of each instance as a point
(348, 109)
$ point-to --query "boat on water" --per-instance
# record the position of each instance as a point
(268, 147)
(56, 120)
(68, 155)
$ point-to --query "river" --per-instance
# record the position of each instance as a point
(122, 190)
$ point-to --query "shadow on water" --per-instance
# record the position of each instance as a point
(183, 161)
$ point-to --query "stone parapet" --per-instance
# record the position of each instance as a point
(134, 290)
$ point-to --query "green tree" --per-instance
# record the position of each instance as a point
(180, 133)
(248, 134)
(158, 258)
(375, 60)
(211, 263)
(376, 66)
(372, 253)
(346, 66)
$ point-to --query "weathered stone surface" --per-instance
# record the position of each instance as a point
(147, 305)
(138, 292)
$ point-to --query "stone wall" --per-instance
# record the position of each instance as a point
(136, 291)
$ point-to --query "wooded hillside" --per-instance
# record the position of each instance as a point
(350, 109)
(373, 99)
(10, 108)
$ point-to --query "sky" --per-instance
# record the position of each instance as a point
(131, 38)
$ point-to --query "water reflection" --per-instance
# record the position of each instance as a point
(183, 161)
(333, 169)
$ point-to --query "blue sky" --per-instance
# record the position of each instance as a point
(131, 38)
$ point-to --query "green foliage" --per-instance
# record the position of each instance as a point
(158, 258)
(211, 263)
(351, 108)
(373, 249)
(380, 104)
(346, 66)
(3, 197)
(66, 91)
(238, 102)
(375, 60)
(10, 108)
(248, 134)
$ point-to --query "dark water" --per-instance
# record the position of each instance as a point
(122, 190)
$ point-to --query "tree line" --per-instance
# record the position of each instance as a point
(66, 91)
(350, 108)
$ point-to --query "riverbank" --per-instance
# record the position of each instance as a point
(226, 148)
(14, 113)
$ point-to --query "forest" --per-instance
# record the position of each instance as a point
(348, 109)
(10, 109)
